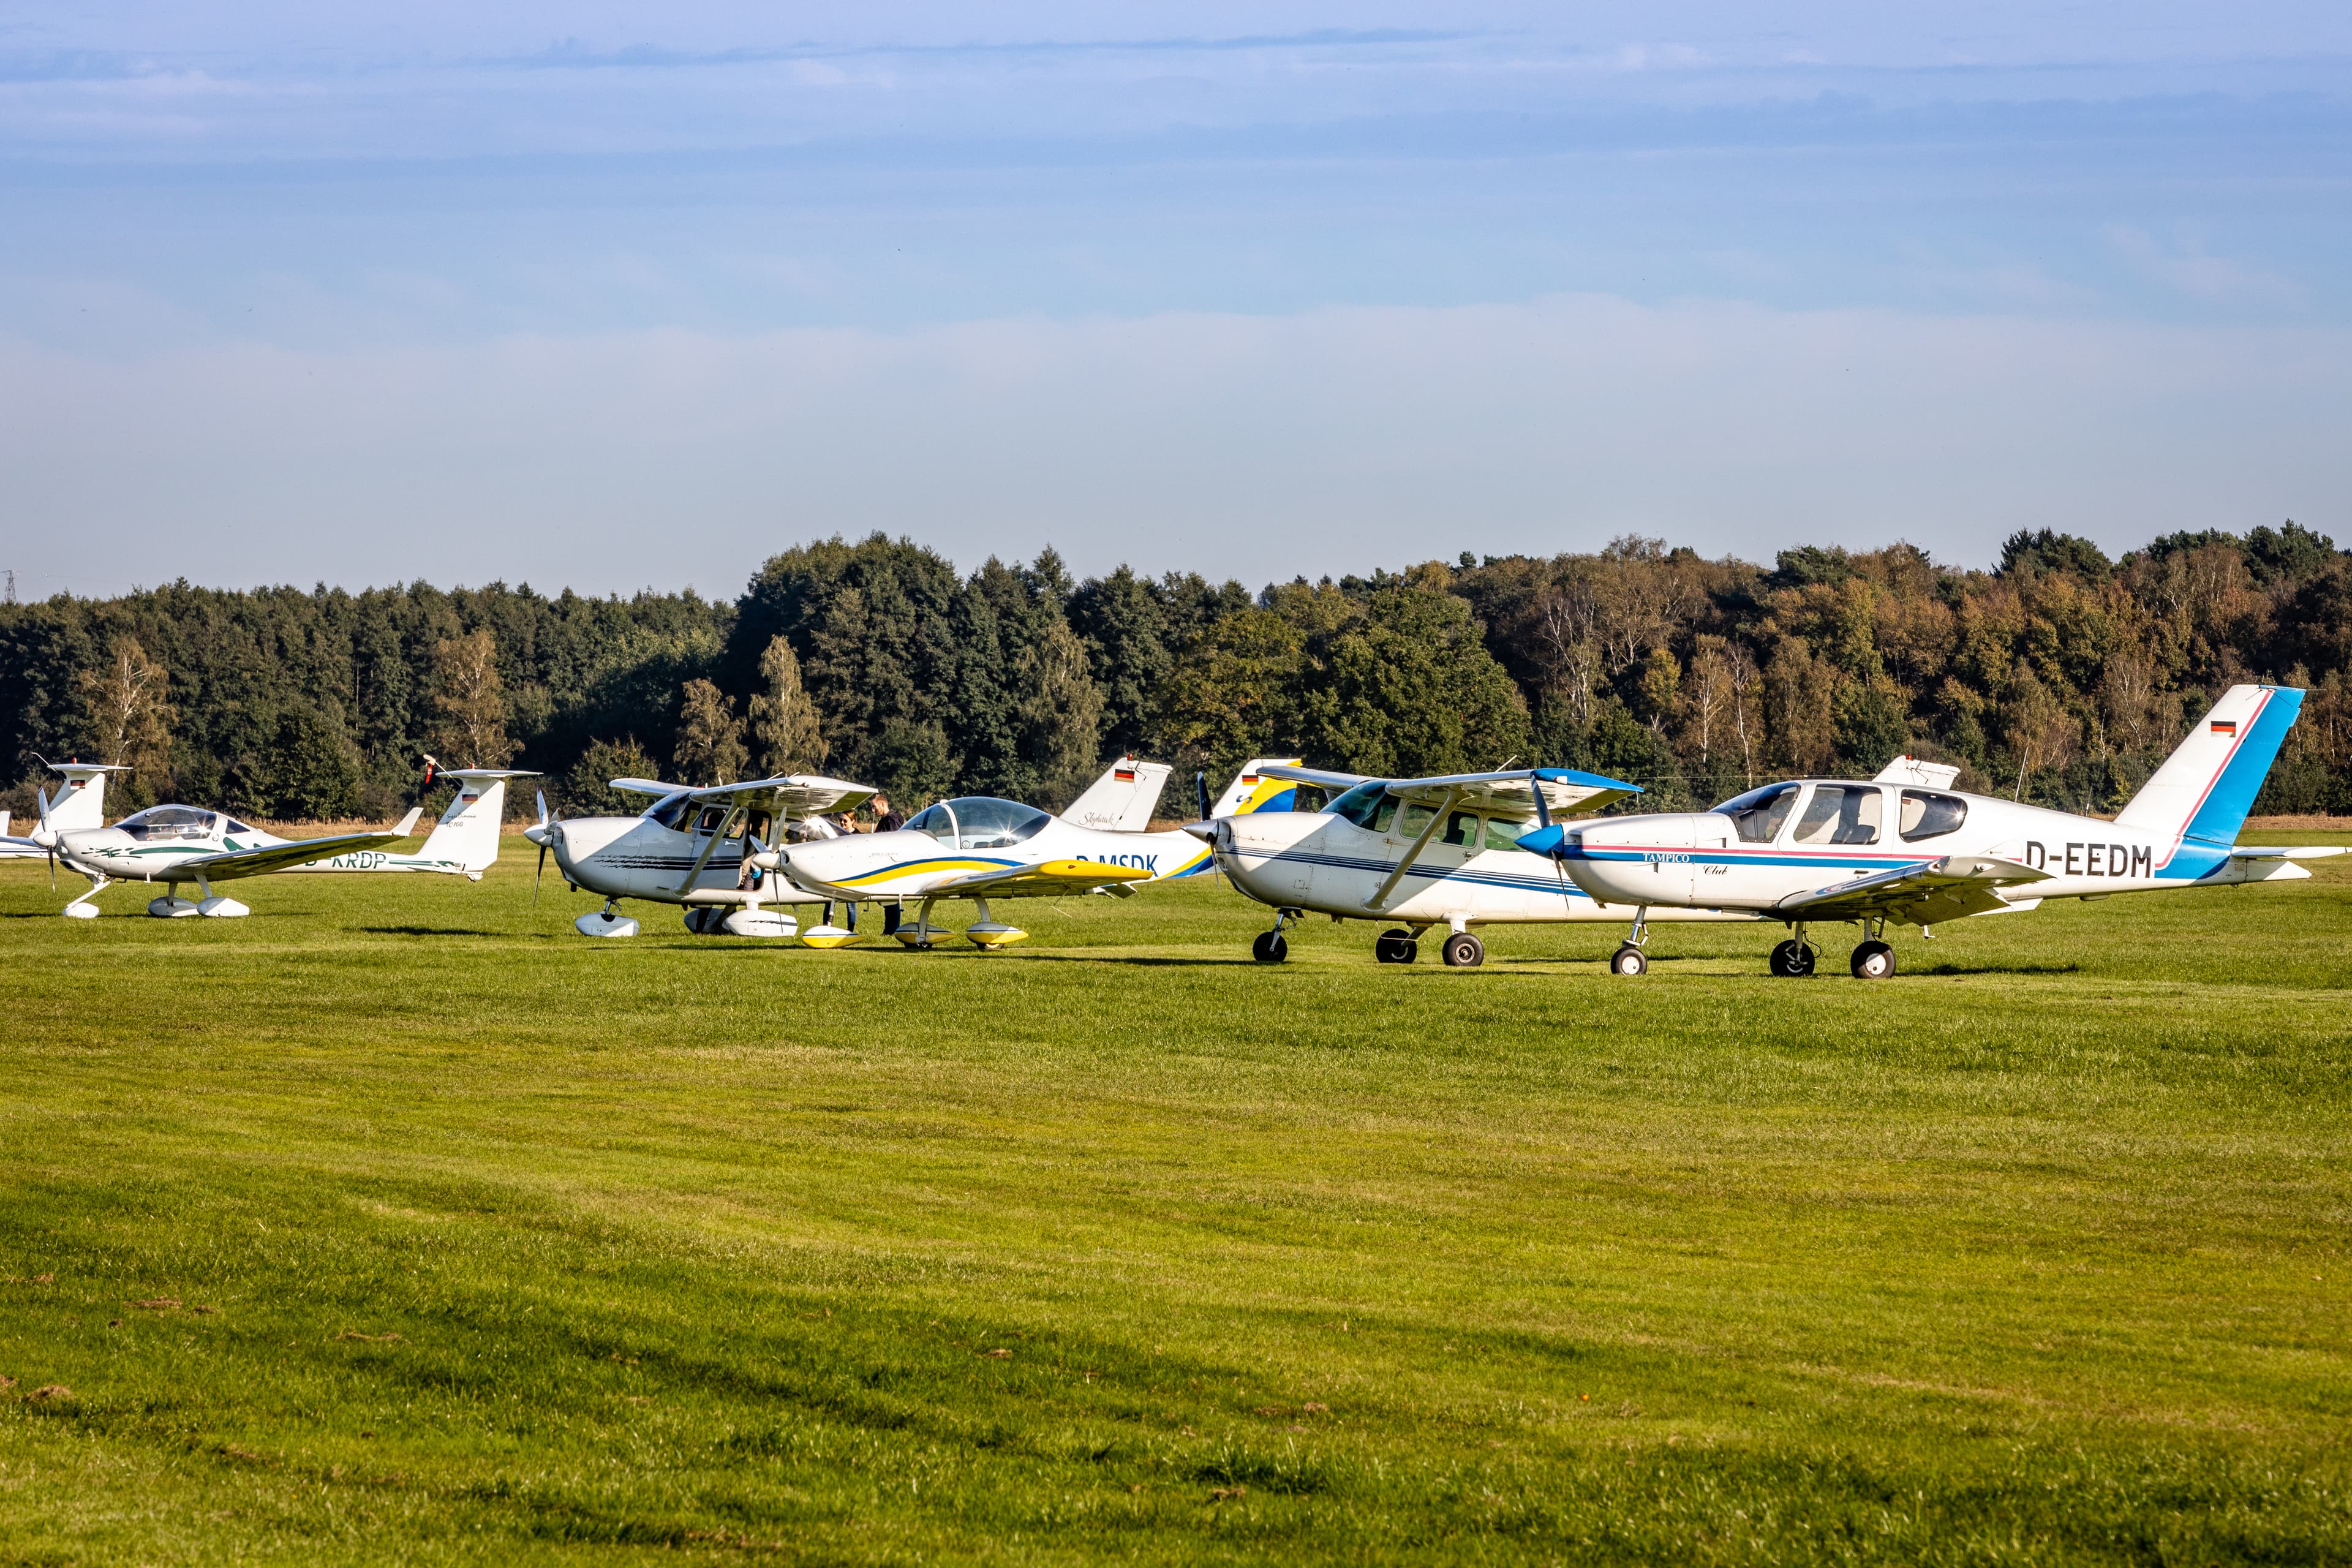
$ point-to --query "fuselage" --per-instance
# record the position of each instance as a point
(1470, 873)
(959, 838)
(159, 845)
(1806, 834)
(650, 857)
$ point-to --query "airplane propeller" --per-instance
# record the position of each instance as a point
(547, 830)
(47, 838)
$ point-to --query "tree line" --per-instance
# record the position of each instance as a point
(2059, 676)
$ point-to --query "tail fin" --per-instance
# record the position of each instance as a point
(468, 832)
(1122, 801)
(82, 799)
(1249, 792)
(2205, 788)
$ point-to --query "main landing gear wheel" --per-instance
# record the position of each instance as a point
(1464, 951)
(1628, 959)
(1873, 961)
(1793, 961)
(1269, 947)
(1396, 946)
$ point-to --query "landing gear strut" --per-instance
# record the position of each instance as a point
(1629, 958)
(1270, 946)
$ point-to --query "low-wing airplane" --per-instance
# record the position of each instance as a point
(1906, 850)
(1417, 853)
(14, 849)
(980, 848)
(712, 851)
(180, 844)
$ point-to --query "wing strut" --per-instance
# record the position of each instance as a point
(710, 849)
(1414, 853)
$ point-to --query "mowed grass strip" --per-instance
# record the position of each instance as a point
(399, 1221)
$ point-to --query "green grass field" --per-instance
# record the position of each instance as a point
(398, 1222)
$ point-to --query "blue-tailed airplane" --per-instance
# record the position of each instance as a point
(1905, 848)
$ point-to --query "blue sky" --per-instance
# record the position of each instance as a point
(616, 297)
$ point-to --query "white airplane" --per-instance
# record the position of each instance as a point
(1417, 853)
(1906, 850)
(710, 850)
(180, 844)
(980, 847)
(12, 848)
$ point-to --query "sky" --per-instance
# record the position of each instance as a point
(616, 298)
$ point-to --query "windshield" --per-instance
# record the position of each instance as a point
(984, 822)
(1368, 806)
(1759, 814)
(161, 822)
(669, 809)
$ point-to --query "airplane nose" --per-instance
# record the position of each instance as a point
(1206, 832)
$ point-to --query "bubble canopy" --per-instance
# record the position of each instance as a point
(980, 822)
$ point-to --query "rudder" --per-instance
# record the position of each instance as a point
(2204, 790)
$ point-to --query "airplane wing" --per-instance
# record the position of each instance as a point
(1044, 880)
(231, 863)
(1510, 793)
(1335, 782)
(793, 795)
(1928, 893)
(1566, 791)
(646, 786)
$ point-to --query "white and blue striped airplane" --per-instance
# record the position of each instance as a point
(1415, 852)
(1906, 850)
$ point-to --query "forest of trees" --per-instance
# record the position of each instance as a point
(2060, 675)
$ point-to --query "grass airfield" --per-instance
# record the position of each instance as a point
(398, 1221)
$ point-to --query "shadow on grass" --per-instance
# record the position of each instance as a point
(445, 930)
(1991, 967)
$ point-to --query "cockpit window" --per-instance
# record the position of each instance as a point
(672, 810)
(234, 826)
(1759, 814)
(1841, 814)
(1927, 814)
(1368, 806)
(984, 822)
(159, 822)
(937, 822)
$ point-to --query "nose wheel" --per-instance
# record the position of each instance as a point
(1398, 946)
(1792, 959)
(1270, 946)
(1628, 959)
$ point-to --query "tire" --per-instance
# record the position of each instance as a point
(1464, 951)
(890, 915)
(1873, 961)
(1269, 947)
(1628, 959)
(1394, 947)
(1793, 961)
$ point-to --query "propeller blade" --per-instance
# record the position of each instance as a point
(543, 808)
(538, 874)
(1200, 788)
(53, 870)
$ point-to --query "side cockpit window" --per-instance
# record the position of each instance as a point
(1927, 814)
(1760, 814)
(1841, 813)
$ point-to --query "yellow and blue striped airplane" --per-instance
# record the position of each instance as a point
(980, 848)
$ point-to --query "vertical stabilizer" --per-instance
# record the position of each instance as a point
(1251, 791)
(2202, 793)
(1122, 800)
(468, 833)
(81, 801)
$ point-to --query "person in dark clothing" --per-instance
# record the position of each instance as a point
(887, 818)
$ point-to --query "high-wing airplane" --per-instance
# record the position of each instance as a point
(712, 850)
(1415, 852)
(1906, 850)
(181, 844)
(982, 849)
